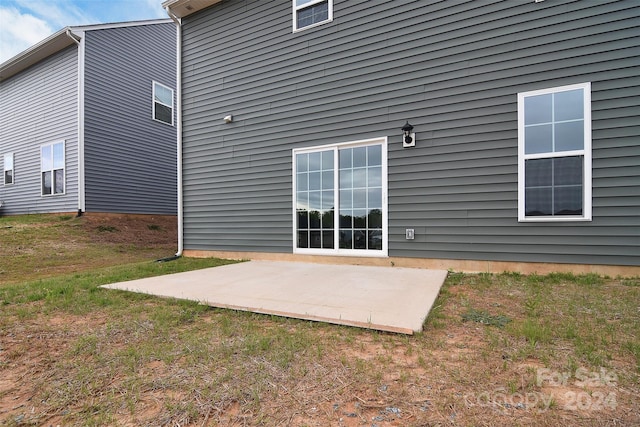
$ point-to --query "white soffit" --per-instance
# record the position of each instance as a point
(182, 8)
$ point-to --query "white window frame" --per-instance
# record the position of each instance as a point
(585, 152)
(153, 101)
(12, 169)
(382, 141)
(53, 169)
(310, 3)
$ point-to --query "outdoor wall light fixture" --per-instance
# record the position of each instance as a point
(408, 137)
(228, 119)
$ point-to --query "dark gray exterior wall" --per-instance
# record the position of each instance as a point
(40, 106)
(453, 69)
(130, 159)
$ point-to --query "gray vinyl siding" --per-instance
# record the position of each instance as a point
(130, 159)
(37, 107)
(453, 69)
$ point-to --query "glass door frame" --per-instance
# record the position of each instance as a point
(336, 250)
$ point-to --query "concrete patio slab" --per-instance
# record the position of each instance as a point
(384, 298)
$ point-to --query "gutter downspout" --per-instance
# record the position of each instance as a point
(179, 127)
(80, 42)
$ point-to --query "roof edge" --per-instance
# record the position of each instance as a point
(58, 41)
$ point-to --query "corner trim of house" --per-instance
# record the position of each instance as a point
(467, 266)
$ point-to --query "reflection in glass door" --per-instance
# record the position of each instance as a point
(339, 192)
(361, 198)
(315, 197)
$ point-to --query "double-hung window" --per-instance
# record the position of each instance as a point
(8, 169)
(554, 154)
(340, 199)
(162, 103)
(310, 13)
(52, 168)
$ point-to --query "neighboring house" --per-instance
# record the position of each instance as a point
(526, 115)
(87, 121)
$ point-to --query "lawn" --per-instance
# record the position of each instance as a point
(496, 350)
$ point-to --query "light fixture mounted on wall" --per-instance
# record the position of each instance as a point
(408, 137)
(228, 119)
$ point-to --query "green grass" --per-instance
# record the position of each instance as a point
(73, 353)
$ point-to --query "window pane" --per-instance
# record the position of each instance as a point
(360, 178)
(8, 177)
(345, 158)
(314, 161)
(46, 154)
(538, 139)
(327, 239)
(360, 218)
(538, 172)
(538, 201)
(375, 239)
(315, 239)
(346, 239)
(568, 200)
(568, 105)
(163, 94)
(302, 220)
(46, 182)
(375, 177)
(313, 14)
(374, 155)
(360, 198)
(345, 199)
(303, 239)
(163, 113)
(58, 156)
(360, 157)
(537, 109)
(327, 219)
(569, 136)
(302, 163)
(346, 219)
(375, 218)
(314, 181)
(302, 183)
(315, 200)
(314, 219)
(346, 178)
(327, 160)
(8, 162)
(327, 180)
(359, 239)
(374, 199)
(58, 181)
(567, 171)
(302, 200)
(327, 200)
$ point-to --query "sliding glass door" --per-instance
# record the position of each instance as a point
(340, 199)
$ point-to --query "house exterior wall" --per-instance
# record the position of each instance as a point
(37, 107)
(454, 70)
(130, 159)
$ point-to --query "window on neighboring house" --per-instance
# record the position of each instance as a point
(340, 199)
(309, 13)
(162, 103)
(554, 154)
(52, 168)
(8, 169)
